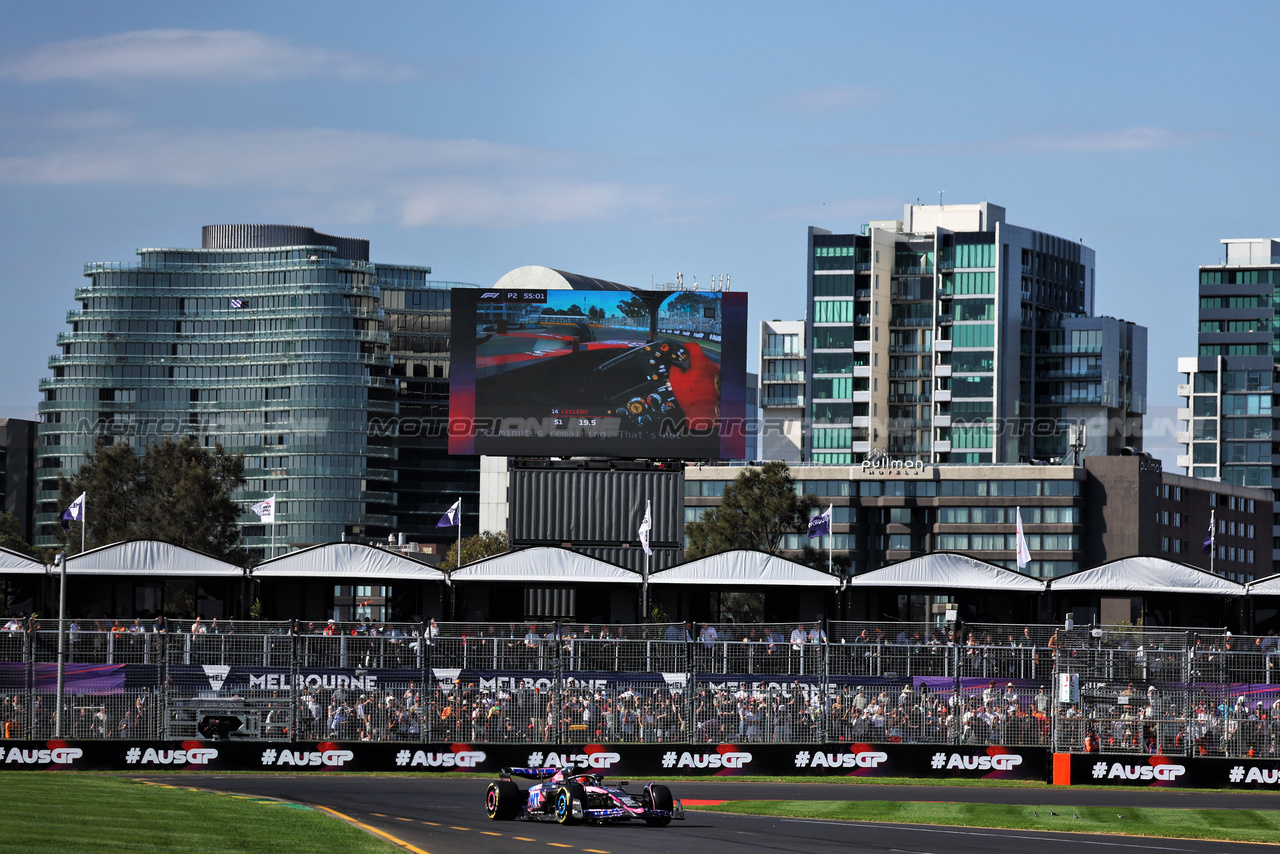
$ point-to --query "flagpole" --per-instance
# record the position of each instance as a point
(1213, 538)
(84, 519)
(830, 540)
(458, 562)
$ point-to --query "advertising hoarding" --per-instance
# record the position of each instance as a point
(627, 374)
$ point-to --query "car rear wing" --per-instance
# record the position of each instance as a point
(529, 773)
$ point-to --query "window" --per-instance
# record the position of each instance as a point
(833, 311)
(975, 309)
(973, 361)
(833, 338)
(974, 335)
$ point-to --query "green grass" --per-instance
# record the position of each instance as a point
(1224, 825)
(64, 812)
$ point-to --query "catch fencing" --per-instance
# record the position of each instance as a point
(1112, 689)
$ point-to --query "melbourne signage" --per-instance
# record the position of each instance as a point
(228, 679)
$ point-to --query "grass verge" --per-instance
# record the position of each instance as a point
(1224, 825)
(59, 813)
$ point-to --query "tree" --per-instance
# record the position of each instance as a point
(176, 492)
(11, 536)
(633, 307)
(475, 548)
(757, 511)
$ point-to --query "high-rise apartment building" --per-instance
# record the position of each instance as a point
(278, 342)
(782, 373)
(1227, 386)
(952, 336)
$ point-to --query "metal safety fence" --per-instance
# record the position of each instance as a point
(1107, 689)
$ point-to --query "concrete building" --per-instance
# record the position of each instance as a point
(782, 377)
(1074, 517)
(274, 341)
(929, 334)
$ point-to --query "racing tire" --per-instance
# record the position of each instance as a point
(658, 797)
(503, 800)
(562, 802)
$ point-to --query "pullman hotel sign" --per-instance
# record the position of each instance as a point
(878, 462)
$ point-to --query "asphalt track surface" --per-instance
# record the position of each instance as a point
(440, 815)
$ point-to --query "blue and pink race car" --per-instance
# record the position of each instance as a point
(565, 796)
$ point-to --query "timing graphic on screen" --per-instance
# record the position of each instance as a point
(609, 373)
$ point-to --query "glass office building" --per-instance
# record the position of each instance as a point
(270, 340)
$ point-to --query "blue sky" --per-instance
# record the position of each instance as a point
(630, 141)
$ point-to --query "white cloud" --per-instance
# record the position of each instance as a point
(167, 54)
(369, 175)
(831, 99)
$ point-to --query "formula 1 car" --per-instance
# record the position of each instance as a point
(567, 797)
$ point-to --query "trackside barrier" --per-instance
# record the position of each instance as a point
(675, 759)
(1117, 690)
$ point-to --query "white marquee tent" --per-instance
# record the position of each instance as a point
(746, 569)
(12, 563)
(1146, 575)
(347, 561)
(150, 558)
(946, 571)
(544, 566)
(1269, 586)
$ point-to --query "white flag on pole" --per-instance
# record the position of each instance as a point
(266, 509)
(452, 517)
(644, 529)
(74, 513)
(1024, 554)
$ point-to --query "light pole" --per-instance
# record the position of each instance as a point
(60, 562)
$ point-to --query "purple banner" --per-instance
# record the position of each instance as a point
(77, 678)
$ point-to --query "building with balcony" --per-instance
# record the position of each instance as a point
(782, 376)
(1226, 388)
(277, 342)
(926, 338)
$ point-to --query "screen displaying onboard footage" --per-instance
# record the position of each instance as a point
(626, 374)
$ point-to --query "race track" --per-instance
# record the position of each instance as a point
(441, 815)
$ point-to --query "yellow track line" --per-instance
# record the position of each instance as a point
(382, 833)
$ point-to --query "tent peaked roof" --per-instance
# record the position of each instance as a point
(746, 568)
(1269, 586)
(943, 570)
(346, 560)
(544, 565)
(12, 562)
(1147, 575)
(150, 557)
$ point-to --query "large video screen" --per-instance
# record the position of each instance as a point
(627, 374)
